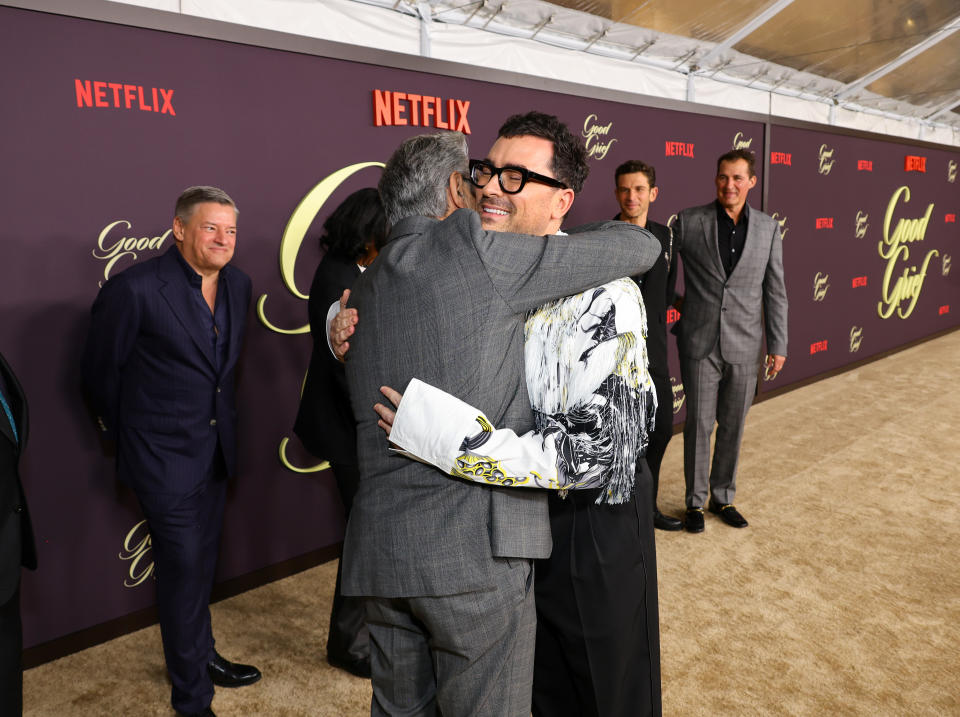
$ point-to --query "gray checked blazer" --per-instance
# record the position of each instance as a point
(445, 302)
(729, 308)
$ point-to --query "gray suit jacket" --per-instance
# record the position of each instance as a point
(445, 302)
(728, 309)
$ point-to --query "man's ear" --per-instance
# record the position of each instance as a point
(562, 201)
(456, 192)
(178, 228)
(654, 191)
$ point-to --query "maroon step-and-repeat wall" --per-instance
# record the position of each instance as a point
(104, 125)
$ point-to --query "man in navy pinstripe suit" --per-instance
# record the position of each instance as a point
(159, 366)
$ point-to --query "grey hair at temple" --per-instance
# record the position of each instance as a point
(415, 180)
(192, 196)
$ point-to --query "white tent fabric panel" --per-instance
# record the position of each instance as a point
(364, 23)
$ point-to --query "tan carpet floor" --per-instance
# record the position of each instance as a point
(841, 598)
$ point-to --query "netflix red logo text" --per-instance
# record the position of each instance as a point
(950, 218)
(945, 309)
(824, 222)
(392, 108)
(672, 315)
(818, 347)
(781, 158)
(864, 165)
(122, 96)
(679, 149)
(914, 163)
(859, 281)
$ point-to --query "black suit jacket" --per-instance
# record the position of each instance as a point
(152, 376)
(325, 421)
(17, 547)
(658, 286)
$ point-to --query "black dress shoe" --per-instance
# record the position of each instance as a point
(357, 666)
(229, 674)
(729, 515)
(693, 520)
(666, 522)
(206, 713)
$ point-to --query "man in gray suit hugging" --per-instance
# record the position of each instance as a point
(447, 565)
(733, 276)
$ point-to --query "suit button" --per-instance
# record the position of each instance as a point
(18, 509)
(213, 421)
(218, 389)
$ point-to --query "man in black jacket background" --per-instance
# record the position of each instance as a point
(636, 184)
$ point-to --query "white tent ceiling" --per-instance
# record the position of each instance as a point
(889, 66)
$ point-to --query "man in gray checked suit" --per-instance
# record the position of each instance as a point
(733, 274)
(446, 564)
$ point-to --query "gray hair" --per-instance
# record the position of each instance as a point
(192, 196)
(414, 182)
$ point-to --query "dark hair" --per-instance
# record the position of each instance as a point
(192, 196)
(632, 166)
(569, 155)
(414, 180)
(351, 227)
(735, 154)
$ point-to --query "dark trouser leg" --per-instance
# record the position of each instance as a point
(662, 433)
(597, 610)
(348, 639)
(562, 685)
(11, 648)
(185, 535)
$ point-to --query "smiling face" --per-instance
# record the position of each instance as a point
(208, 237)
(733, 183)
(634, 195)
(536, 209)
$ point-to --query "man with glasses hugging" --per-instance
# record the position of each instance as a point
(597, 635)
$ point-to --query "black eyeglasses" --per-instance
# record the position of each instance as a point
(512, 179)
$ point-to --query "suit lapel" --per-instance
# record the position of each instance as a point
(175, 289)
(709, 226)
(751, 245)
(237, 313)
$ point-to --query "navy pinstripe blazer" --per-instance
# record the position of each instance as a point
(150, 370)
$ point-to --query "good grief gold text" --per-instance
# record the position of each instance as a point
(111, 248)
(136, 549)
(596, 137)
(893, 247)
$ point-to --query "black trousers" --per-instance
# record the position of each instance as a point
(598, 623)
(662, 433)
(348, 639)
(185, 536)
(11, 649)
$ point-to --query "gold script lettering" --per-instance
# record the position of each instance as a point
(892, 247)
(782, 221)
(820, 286)
(592, 134)
(678, 395)
(861, 225)
(124, 246)
(290, 243)
(136, 547)
(295, 232)
(740, 143)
